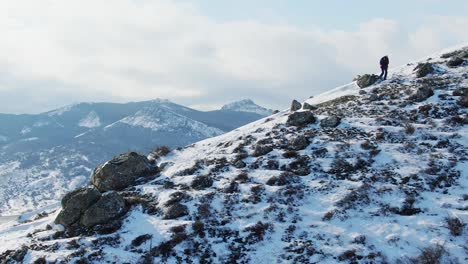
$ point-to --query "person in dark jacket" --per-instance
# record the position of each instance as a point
(384, 66)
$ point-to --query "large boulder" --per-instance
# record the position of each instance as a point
(110, 206)
(295, 105)
(366, 80)
(121, 172)
(302, 118)
(330, 121)
(423, 69)
(75, 204)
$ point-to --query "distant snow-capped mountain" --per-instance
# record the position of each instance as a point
(246, 105)
(41, 154)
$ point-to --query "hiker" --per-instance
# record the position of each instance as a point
(384, 66)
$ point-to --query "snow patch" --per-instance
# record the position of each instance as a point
(90, 121)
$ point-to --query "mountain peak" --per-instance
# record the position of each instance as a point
(246, 105)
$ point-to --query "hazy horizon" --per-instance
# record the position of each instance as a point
(203, 54)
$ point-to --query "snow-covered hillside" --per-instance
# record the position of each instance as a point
(372, 175)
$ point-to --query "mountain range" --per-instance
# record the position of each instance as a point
(43, 156)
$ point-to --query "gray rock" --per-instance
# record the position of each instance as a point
(295, 105)
(460, 53)
(299, 143)
(121, 172)
(307, 106)
(463, 101)
(202, 182)
(75, 204)
(110, 206)
(261, 150)
(455, 61)
(175, 211)
(330, 121)
(366, 80)
(423, 69)
(239, 164)
(422, 94)
(300, 118)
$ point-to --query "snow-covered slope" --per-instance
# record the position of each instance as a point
(388, 184)
(246, 105)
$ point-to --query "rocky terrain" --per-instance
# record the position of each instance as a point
(368, 173)
(44, 156)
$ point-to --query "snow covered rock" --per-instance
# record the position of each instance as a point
(422, 94)
(366, 80)
(121, 172)
(424, 69)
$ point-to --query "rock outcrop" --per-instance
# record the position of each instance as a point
(121, 172)
(307, 106)
(424, 69)
(295, 105)
(300, 118)
(110, 206)
(75, 203)
(455, 62)
(422, 94)
(366, 80)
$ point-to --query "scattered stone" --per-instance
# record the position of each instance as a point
(295, 105)
(299, 143)
(330, 121)
(460, 92)
(454, 62)
(275, 112)
(463, 101)
(121, 172)
(422, 94)
(307, 106)
(239, 164)
(366, 80)
(261, 150)
(110, 206)
(300, 118)
(202, 182)
(424, 69)
(175, 211)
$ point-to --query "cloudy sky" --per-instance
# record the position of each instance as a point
(204, 53)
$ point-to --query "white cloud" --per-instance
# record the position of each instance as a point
(56, 52)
